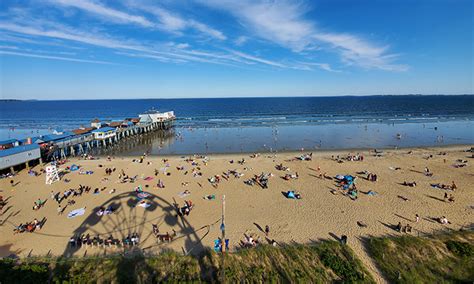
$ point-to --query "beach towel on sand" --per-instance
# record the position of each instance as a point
(143, 195)
(77, 212)
(144, 204)
(183, 194)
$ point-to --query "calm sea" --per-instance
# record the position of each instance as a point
(257, 124)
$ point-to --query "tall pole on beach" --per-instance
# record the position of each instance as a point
(223, 241)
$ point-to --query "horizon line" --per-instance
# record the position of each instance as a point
(234, 97)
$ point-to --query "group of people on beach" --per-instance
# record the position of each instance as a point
(97, 241)
(346, 183)
(185, 210)
(28, 226)
(166, 237)
(452, 187)
(403, 229)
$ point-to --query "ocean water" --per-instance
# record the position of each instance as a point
(258, 124)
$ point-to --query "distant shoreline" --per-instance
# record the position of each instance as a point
(240, 97)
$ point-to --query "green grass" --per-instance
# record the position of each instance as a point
(444, 258)
(317, 263)
(12, 272)
(320, 263)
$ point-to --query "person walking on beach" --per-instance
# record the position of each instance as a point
(453, 186)
(60, 210)
(417, 218)
(267, 230)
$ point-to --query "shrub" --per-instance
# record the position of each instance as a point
(461, 249)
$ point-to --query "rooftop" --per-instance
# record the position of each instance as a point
(18, 149)
(54, 137)
(9, 141)
(104, 129)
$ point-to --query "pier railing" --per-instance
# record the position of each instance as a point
(85, 143)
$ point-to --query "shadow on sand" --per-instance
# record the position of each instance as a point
(128, 218)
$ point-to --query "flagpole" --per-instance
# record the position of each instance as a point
(223, 240)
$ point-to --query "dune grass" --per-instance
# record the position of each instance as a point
(317, 263)
(442, 258)
(325, 262)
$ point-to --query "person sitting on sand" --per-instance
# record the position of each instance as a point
(291, 194)
(444, 220)
(19, 229)
(398, 228)
(160, 184)
(291, 176)
(209, 197)
(37, 224)
(101, 211)
(451, 198)
(353, 194)
(453, 186)
(30, 227)
(155, 229)
(135, 239)
(109, 210)
(186, 209)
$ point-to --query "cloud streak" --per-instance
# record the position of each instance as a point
(164, 53)
(279, 22)
(22, 54)
(105, 12)
(283, 22)
(167, 20)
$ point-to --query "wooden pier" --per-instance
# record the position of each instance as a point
(107, 136)
(84, 140)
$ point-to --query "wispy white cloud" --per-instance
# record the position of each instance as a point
(257, 59)
(354, 50)
(167, 21)
(324, 66)
(173, 22)
(276, 21)
(8, 47)
(69, 34)
(106, 12)
(170, 52)
(205, 29)
(241, 40)
(165, 52)
(52, 57)
(283, 22)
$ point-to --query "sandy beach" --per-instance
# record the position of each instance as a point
(325, 211)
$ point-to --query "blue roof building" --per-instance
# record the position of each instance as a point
(54, 137)
(18, 155)
(104, 133)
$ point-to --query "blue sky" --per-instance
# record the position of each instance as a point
(91, 49)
